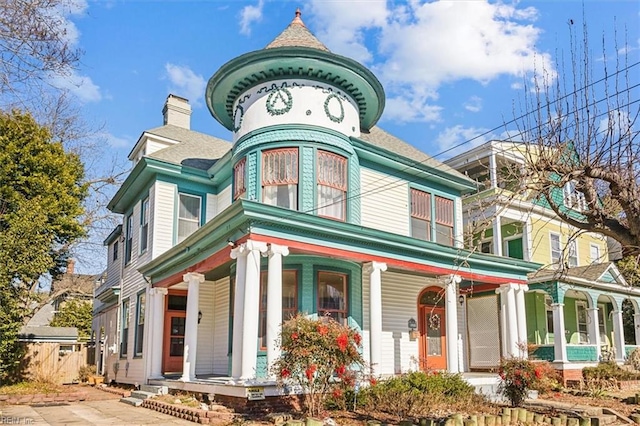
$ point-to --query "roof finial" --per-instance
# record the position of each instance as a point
(297, 19)
(298, 13)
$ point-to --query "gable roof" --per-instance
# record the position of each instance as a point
(385, 140)
(194, 149)
(297, 35)
(605, 273)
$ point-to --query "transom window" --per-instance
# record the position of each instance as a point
(289, 301)
(421, 215)
(332, 295)
(240, 188)
(332, 185)
(280, 177)
(188, 215)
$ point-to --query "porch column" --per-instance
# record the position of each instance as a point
(527, 240)
(374, 269)
(193, 279)
(274, 304)
(559, 340)
(451, 327)
(500, 291)
(618, 334)
(509, 320)
(594, 331)
(497, 236)
(522, 319)
(155, 331)
(493, 170)
(251, 309)
(240, 254)
(636, 327)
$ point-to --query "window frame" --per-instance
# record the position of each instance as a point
(548, 306)
(144, 225)
(345, 282)
(572, 198)
(597, 247)
(558, 251)
(292, 174)
(448, 224)
(572, 253)
(115, 248)
(322, 207)
(128, 249)
(179, 219)
(240, 179)
(262, 310)
(580, 326)
(124, 331)
(141, 299)
(421, 213)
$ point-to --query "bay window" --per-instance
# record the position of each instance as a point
(332, 185)
(280, 177)
(332, 295)
(289, 302)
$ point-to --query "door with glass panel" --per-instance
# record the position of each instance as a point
(174, 328)
(432, 328)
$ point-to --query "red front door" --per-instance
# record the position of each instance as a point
(432, 327)
(174, 326)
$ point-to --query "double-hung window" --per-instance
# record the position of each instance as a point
(420, 215)
(240, 187)
(594, 253)
(128, 240)
(556, 249)
(124, 336)
(289, 302)
(115, 250)
(573, 198)
(332, 295)
(572, 254)
(280, 177)
(188, 215)
(444, 221)
(144, 225)
(332, 185)
(582, 320)
(140, 323)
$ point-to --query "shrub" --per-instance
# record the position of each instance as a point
(318, 355)
(606, 375)
(634, 359)
(548, 377)
(85, 372)
(518, 376)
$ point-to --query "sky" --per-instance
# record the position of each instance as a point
(453, 71)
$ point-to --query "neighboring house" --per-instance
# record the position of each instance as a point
(311, 208)
(577, 294)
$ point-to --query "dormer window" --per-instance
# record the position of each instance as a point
(280, 178)
(332, 185)
(573, 198)
(240, 187)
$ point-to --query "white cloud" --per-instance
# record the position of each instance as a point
(406, 109)
(454, 140)
(186, 83)
(473, 104)
(114, 141)
(249, 15)
(78, 85)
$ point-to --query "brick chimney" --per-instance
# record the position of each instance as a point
(177, 112)
(71, 266)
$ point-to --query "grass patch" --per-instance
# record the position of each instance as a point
(30, 388)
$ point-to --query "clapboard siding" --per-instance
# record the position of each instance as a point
(206, 335)
(384, 206)
(162, 217)
(224, 199)
(221, 327)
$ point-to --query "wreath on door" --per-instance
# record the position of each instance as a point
(434, 322)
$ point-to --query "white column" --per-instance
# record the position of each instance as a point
(559, 338)
(251, 309)
(522, 319)
(451, 326)
(193, 279)
(512, 322)
(497, 236)
(374, 269)
(274, 304)
(493, 170)
(504, 337)
(527, 240)
(618, 334)
(594, 331)
(636, 325)
(155, 331)
(240, 254)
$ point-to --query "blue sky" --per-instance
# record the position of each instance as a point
(452, 70)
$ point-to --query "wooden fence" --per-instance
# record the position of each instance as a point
(54, 362)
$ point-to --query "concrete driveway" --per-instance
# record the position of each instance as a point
(106, 412)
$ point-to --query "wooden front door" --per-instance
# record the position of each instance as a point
(174, 327)
(432, 327)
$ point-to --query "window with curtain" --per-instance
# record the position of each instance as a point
(188, 215)
(420, 215)
(140, 323)
(239, 189)
(444, 221)
(280, 178)
(289, 302)
(332, 185)
(332, 295)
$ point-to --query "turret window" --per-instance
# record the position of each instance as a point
(240, 187)
(332, 185)
(280, 178)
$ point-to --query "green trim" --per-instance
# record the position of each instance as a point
(434, 192)
(203, 202)
(135, 339)
(253, 68)
(409, 169)
(126, 302)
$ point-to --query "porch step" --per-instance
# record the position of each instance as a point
(605, 419)
(142, 395)
(132, 401)
(156, 390)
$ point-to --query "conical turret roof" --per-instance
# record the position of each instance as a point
(297, 35)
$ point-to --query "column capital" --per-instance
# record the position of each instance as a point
(252, 245)
(557, 305)
(238, 251)
(158, 290)
(278, 249)
(593, 309)
(193, 277)
(510, 286)
(521, 287)
(370, 267)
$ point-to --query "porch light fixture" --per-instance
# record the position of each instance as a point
(199, 316)
(461, 300)
(412, 324)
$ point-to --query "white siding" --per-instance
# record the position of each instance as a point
(221, 327)
(224, 199)
(384, 206)
(459, 225)
(206, 335)
(162, 216)
(212, 207)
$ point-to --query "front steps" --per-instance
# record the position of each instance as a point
(146, 391)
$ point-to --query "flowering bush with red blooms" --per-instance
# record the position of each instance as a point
(320, 356)
(518, 376)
